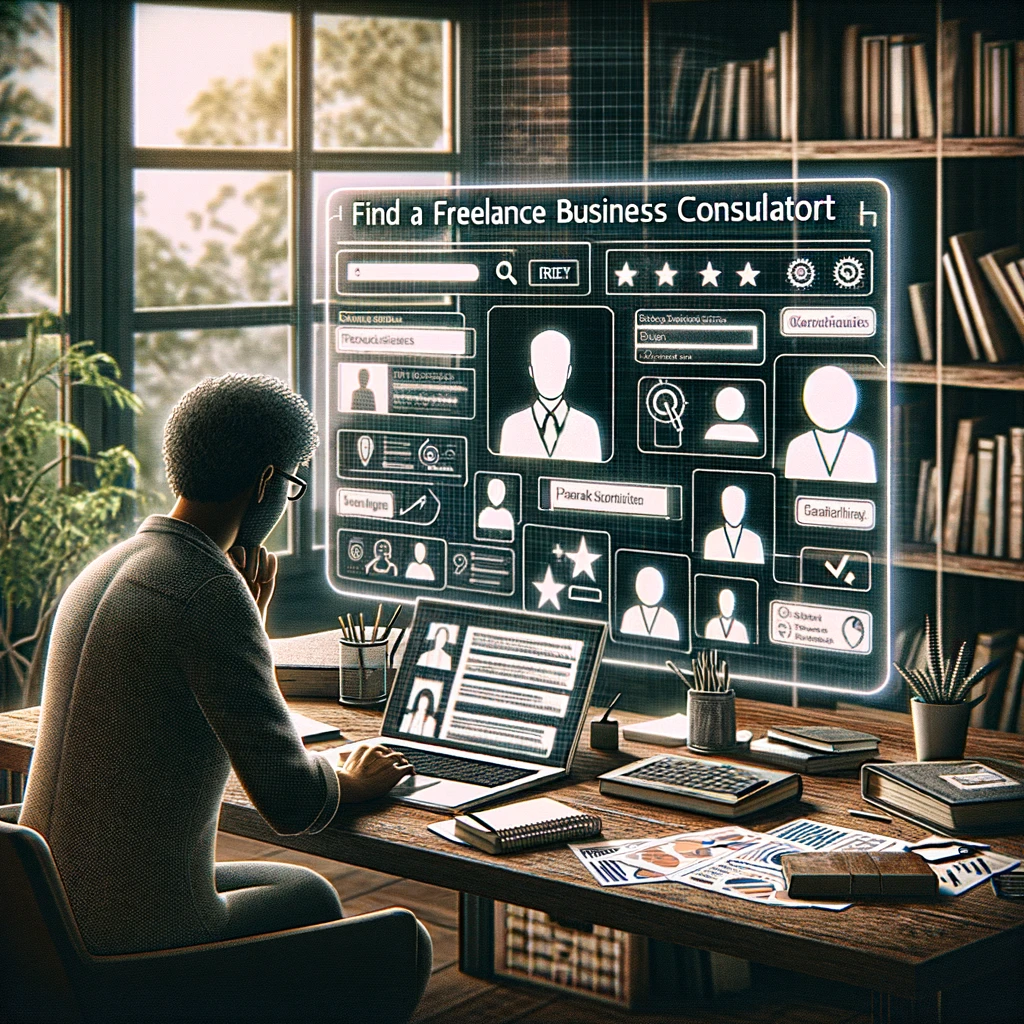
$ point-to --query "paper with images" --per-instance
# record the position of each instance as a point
(502, 675)
(602, 860)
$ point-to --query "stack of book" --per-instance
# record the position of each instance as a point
(814, 750)
(986, 288)
(1002, 686)
(984, 500)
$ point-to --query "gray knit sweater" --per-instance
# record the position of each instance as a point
(159, 678)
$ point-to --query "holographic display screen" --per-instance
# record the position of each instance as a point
(662, 405)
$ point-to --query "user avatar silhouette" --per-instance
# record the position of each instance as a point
(437, 656)
(724, 626)
(730, 406)
(421, 721)
(381, 564)
(551, 428)
(419, 569)
(733, 542)
(495, 517)
(363, 398)
(649, 617)
(830, 451)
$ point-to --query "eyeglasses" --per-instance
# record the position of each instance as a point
(296, 486)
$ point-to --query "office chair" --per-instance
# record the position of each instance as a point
(46, 973)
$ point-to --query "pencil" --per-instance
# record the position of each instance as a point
(344, 628)
(387, 629)
(376, 623)
(362, 629)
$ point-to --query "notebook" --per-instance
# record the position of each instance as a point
(827, 739)
(525, 825)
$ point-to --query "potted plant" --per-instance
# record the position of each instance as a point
(941, 705)
(710, 705)
(50, 524)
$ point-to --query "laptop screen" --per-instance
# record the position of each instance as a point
(493, 681)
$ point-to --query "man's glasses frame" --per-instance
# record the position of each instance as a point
(295, 482)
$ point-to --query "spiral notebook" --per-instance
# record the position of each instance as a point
(525, 825)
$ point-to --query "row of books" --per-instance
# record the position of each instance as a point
(983, 512)
(886, 87)
(986, 289)
(1003, 686)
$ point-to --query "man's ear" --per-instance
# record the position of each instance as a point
(261, 488)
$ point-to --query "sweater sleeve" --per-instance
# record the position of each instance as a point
(230, 671)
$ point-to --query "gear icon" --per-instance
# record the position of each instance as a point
(801, 273)
(848, 272)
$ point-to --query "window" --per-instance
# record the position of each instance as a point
(234, 151)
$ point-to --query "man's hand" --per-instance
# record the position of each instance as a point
(370, 772)
(259, 570)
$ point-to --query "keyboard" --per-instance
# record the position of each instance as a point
(697, 776)
(460, 769)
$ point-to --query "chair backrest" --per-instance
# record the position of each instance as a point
(39, 946)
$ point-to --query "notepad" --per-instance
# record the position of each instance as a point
(525, 825)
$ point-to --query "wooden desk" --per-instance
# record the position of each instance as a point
(906, 954)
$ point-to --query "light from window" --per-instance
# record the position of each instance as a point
(28, 240)
(382, 83)
(29, 74)
(211, 77)
(211, 238)
(168, 363)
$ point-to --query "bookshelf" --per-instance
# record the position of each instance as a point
(944, 182)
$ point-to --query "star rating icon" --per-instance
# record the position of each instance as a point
(549, 590)
(625, 275)
(709, 276)
(747, 275)
(666, 275)
(583, 560)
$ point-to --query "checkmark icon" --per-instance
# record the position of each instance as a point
(836, 570)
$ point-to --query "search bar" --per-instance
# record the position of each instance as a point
(454, 272)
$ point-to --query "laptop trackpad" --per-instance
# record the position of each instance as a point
(440, 792)
(412, 784)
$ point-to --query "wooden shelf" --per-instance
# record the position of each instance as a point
(836, 149)
(922, 556)
(970, 375)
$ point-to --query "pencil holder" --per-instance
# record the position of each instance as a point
(363, 673)
(711, 721)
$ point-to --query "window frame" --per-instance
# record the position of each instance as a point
(102, 160)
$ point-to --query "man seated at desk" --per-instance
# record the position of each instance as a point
(160, 679)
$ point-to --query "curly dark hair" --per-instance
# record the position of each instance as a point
(225, 430)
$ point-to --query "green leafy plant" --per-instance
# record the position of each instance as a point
(50, 524)
(943, 682)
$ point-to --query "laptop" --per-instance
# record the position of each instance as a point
(488, 702)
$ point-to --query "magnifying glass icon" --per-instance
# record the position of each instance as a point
(503, 271)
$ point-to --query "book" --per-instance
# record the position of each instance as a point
(312, 731)
(922, 309)
(988, 647)
(744, 102)
(988, 320)
(673, 93)
(307, 666)
(874, 77)
(711, 114)
(727, 103)
(960, 305)
(981, 533)
(525, 825)
(828, 739)
(931, 515)
(924, 475)
(850, 83)
(858, 875)
(770, 93)
(992, 265)
(952, 91)
(999, 485)
(958, 476)
(1010, 712)
(923, 106)
(980, 796)
(1018, 78)
(963, 541)
(1015, 275)
(977, 83)
(1015, 496)
(665, 732)
(899, 89)
(797, 759)
(700, 105)
(786, 91)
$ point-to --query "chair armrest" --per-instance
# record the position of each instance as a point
(359, 968)
(10, 813)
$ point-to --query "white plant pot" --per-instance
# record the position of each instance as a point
(940, 730)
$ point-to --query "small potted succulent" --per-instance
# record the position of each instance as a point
(710, 705)
(941, 703)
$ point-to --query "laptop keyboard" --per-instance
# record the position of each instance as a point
(460, 769)
(711, 777)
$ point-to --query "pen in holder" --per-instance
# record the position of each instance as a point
(363, 663)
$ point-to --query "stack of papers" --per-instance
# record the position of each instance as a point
(738, 862)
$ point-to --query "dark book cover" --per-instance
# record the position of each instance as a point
(959, 783)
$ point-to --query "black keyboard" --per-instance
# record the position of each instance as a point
(692, 774)
(460, 769)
